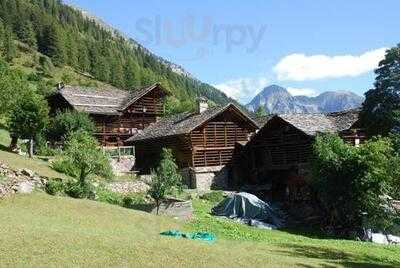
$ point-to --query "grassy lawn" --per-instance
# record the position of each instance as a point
(18, 162)
(41, 230)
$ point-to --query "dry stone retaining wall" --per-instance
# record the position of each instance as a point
(19, 181)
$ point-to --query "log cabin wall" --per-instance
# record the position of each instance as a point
(214, 143)
(278, 147)
(114, 130)
(355, 136)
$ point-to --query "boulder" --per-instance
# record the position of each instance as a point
(25, 187)
(27, 172)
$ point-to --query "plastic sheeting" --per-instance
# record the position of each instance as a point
(380, 238)
(194, 236)
(248, 209)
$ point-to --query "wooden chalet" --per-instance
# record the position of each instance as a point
(202, 142)
(279, 154)
(118, 114)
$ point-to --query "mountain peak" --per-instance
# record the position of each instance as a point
(276, 99)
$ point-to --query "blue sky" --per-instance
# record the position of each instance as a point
(240, 47)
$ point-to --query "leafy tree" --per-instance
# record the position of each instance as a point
(353, 183)
(165, 178)
(261, 112)
(381, 109)
(11, 86)
(28, 117)
(65, 123)
(83, 157)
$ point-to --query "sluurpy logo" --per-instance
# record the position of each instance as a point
(200, 32)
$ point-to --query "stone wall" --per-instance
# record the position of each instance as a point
(19, 181)
(206, 178)
(123, 164)
(128, 187)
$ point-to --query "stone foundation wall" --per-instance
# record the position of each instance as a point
(206, 178)
(122, 165)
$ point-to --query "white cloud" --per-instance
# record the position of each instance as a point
(309, 92)
(243, 89)
(300, 67)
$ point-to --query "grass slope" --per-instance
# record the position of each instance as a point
(40, 230)
(18, 162)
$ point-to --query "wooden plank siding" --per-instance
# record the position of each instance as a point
(114, 130)
(214, 143)
(148, 153)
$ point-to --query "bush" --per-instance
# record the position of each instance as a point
(82, 158)
(65, 123)
(131, 200)
(76, 189)
(352, 183)
(54, 186)
(106, 196)
(62, 165)
(214, 196)
(128, 201)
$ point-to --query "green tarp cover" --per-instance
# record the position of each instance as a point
(195, 236)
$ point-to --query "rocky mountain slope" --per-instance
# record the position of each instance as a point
(276, 99)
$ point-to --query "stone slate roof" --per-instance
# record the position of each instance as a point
(183, 123)
(102, 101)
(311, 124)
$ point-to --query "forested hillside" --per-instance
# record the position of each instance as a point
(56, 37)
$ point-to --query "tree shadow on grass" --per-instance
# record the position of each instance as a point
(334, 257)
(4, 148)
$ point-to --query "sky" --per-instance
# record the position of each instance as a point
(240, 47)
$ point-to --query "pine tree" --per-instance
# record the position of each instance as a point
(27, 35)
(261, 112)
(83, 57)
(131, 69)
(52, 44)
(71, 50)
(2, 38)
(117, 73)
(9, 47)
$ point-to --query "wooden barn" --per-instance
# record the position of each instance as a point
(203, 142)
(277, 158)
(118, 114)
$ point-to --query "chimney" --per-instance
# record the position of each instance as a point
(60, 85)
(202, 105)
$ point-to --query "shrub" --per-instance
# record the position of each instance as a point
(214, 196)
(352, 183)
(65, 166)
(106, 196)
(82, 158)
(125, 200)
(65, 123)
(130, 200)
(54, 186)
(76, 189)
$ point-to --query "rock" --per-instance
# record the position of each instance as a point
(19, 181)
(28, 172)
(25, 187)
